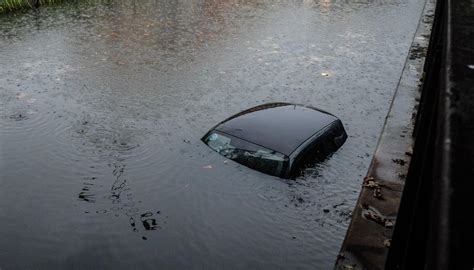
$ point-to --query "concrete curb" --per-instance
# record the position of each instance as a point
(369, 234)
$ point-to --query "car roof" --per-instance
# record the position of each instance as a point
(278, 126)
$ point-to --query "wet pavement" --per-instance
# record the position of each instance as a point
(102, 107)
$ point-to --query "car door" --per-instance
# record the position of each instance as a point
(317, 151)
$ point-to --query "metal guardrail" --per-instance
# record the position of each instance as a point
(435, 224)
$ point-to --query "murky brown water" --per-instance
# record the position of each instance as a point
(102, 107)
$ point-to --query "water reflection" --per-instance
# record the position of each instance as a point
(123, 201)
(119, 183)
(86, 194)
(148, 222)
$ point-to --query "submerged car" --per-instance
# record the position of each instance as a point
(277, 138)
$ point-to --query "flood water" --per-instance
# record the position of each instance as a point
(103, 103)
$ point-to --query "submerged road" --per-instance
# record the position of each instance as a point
(102, 107)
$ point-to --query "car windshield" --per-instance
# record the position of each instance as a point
(248, 154)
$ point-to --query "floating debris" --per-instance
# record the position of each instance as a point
(20, 95)
(207, 167)
(337, 205)
(19, 116)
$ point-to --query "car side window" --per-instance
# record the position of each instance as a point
(318, 151)
(306, 159)
(248, 154)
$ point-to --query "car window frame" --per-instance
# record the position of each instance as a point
(286, 158)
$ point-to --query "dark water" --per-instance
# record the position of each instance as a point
(102, 107)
